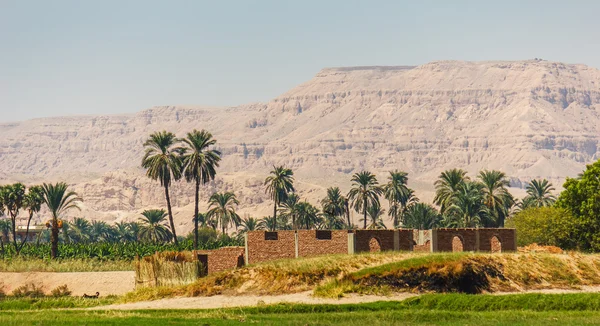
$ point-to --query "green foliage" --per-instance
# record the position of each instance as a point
(221, 209)
(539, 194)
(61, 291)
(153, 228)
(25, 303)
(421, 216)
(364, 193)
(581, 198)
(545, 226)
(28, 291)
(279, 185)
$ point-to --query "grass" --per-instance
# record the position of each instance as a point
(12, 303)
(64, 265)
(444, 309)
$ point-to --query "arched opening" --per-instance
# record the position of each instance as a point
(457, 244)
(374, 245)
(495, 244)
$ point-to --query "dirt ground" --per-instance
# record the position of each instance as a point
(106, 283)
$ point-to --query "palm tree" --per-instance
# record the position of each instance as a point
(80, 230)
(13, 199)
(375, 216)
(222, 209)
(539, 194)
(398, 194)
(33, 203)
(496, 197)
(289, 209)
(280, 183)
(267, 223)
(100, 231)
(308, 215)
(134, 231)
(467, 205)
(5, 228)
(199, 165)
(447, 186)
(421, 216)
(331, 222)
(59, 200)
(250, 224)
(365, 193)
(162, 162)
(336, 205)
(153, 228)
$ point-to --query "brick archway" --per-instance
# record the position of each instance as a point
(495, 244)
(457, 244)
(374, 245)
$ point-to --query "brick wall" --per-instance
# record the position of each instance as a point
(426, 247)
(405, 239)
(445, 237)
(223, 258)
(309, 245)
(507, 239)
(260, 249)
(385, 238)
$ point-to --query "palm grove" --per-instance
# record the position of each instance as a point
(460, 201)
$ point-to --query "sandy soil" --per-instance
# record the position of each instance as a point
(221, 301)
(106, 283)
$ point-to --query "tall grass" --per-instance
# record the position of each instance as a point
(167, 269)
(64, 265)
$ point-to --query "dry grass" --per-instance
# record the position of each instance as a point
(167, 269)
(19, 265)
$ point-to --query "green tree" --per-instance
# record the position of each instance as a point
(421, 216)
(100, 231)
(250, 224)
(398, 194)
(221, 208)
(549, 226)
(364, 193)
(336, 205)
(33, 204)
(13, 199)
(375, 218)
(447, 186)
(153, 227)
(163, 162)
(331, 222)
(80, 230)
(279, 184)
(308, 215)
(467, 205)
(289, 209)
(581, 198)
(59, 200)
(539, 194)
(496, 196)
(199, 165)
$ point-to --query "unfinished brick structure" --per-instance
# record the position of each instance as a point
(489, 240)
(322, 242)
(421, 240)
(367, 240)
(221, 259)
(264, 246)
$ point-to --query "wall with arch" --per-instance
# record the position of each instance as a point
(487, 240)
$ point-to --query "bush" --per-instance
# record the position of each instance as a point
(28, 291)
(547, 226)
(61, 291)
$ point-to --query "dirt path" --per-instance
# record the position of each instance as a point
(221, 301)
(106, 283)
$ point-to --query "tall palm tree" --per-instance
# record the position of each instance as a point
(267, 223)
(496, 197)
(13, 199)
(32, 203)
(199, 165)
(100, 231)
(221, 208)
(163, 162)
(398, 194)
(467, 205)
(365, 193)
(421, 216)
(59, 200)
(308, 215)
(289, 209)
(331, 222)
(447, 186)
(80, 230)
(539, 194)
(153, 227)
(336, 205)
(279, 184)
(375, 216)
(250, 224)
(134, 231)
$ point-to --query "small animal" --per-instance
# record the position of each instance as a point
(94, 296)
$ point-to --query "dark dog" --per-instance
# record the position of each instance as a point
(95, 296)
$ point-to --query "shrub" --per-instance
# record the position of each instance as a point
(548, 226)
(61, 291)
(28, 290)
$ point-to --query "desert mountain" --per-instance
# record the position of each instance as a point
(530, 119)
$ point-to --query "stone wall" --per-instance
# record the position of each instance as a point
(330, 242)
(223, 258)
(259, 249)
(507, 240)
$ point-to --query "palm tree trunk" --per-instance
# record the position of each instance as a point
(54, 238)
(365, 214)
(196, 215)
(348, 214)
(170, 214)
(274, 216)
(26, 234)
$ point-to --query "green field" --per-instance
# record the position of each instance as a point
(438, 309)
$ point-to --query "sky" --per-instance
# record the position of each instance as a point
(61, 58)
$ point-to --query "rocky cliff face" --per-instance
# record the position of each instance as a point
(531, 119)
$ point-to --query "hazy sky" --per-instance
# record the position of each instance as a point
(104, 57)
